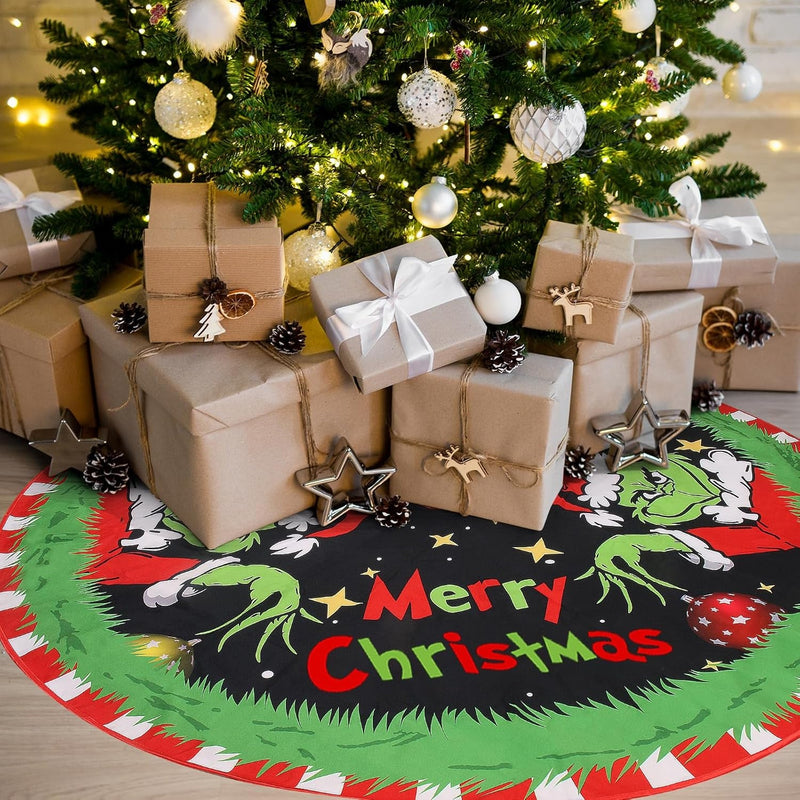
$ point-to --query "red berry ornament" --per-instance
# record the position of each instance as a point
(732, 620)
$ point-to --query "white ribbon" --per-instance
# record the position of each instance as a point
(417, 286)
(706, 259)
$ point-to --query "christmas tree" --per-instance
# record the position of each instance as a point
(309, 112)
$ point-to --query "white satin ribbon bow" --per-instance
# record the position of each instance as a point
(38, 203)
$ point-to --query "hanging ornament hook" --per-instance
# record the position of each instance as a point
(658, 41)
(544, 58)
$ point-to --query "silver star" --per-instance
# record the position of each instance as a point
(68, 445)
(331, 506)
(622, 433)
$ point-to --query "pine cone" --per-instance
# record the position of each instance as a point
(213, 290)
(504, 352)
(579, 462)
(706, 396)
(106, 469)
(752, 329)
(288, 337)
(129, 317)
(392, 512)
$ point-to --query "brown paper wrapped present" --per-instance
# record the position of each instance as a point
(44, 355)
(776, 365)
(25, 195)
(654, 352)
(223, 428)
(428, 318)
(581, 282)
(463, 439)
(196, 233)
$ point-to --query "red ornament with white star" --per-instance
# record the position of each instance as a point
(732, 620)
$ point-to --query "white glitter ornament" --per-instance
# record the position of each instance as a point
(427, 99)
(546, 134)
(435, 204)
(742, 83)
(498, 301)
(654, 72)
(309, 252)
(185, 108)
(636, 16)
(209, 27)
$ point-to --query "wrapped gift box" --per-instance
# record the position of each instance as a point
(435, 324)
(776, 365)
(178, 256)
(24, 195)
(599, 262)
(606, 376)
(224, 425)
(516, 427)
(44, 354)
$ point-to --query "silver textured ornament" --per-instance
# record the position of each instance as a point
(427, 99)
(309, 252)
(654, 72)
(185, 108)
(546, 134)
(435, 204)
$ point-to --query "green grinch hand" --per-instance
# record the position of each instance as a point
(617, 562)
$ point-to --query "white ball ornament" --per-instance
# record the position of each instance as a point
(742, 83)
(209, 27)
(184, 107)
(654, 72)
(427, 99)
(435, 204)
(498, 301)
(546, 134)
(636, 16)
(309, 252)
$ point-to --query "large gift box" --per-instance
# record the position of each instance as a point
(481, 443)
(44, 354)
(397, 314)
(581, 282)
(654, 352)
(223, 430)
(710, 243)
(25, 195)
(775, 366)
(196, 234)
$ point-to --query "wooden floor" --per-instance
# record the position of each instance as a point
(46, 752)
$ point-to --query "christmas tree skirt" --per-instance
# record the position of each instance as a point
(645, 639)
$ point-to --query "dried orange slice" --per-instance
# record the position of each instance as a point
(719, 337)
(236, 304)
(715, 314)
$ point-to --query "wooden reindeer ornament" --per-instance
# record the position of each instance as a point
(566, 297)
(463, 466)
(345, 54)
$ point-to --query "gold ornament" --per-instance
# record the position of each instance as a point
(184, 107)
(165, 651)
(309, 252)
(320, 10)
(68, 445)
(260, 78)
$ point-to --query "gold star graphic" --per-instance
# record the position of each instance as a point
(440, 541)
(766, 587)
(694, 447)
(714, 665)
(370, 573)
(335, 601)
(539, 551)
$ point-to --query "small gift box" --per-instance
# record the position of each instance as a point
(454, 450)
(24, 196)
(774, 322)
(654, 353)
(209, 275)
(397, 314)
(218, 433)
(44, 355)
(710, 243)
(581, 282)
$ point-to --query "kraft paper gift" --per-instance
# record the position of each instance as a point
(776, 365)
(420, 318)
(27, 194)
(513, 425)
(196, 232)
(711, 243)
(223, 426)
(606, 376)
(44, 354)
(599, 263)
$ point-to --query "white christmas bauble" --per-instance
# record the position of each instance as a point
(742, 83)
(427, 99)
(309, 252)
(184, 107)
(546, 134)
(655, 70)
(435, 204)
(637, 16)
(209, 27)
(498, 301)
